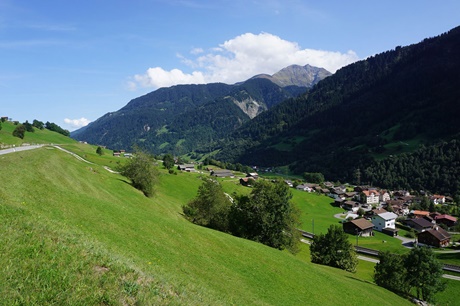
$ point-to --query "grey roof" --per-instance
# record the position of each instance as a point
(388, 215)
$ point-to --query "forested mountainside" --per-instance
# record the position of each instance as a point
(435, 168)
(184, 118)
(373, 109)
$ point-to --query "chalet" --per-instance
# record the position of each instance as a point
(325, 191)
(385, 223)
(436, 237)
(370, 196)
(222, 173)
(419, 213)
(186, 167)
(359, 189)
(336, 193)
(438, 199)
(338, 202)
(117, 154)
(448, 220)
(246, 181)
(304, 188)
(350, 195)
(384, 196)
(418, 224)
(399, 207)
(378, 211)
(289, 183)
(328, 184)
(406, 199)
(361, 227)
(253, 175)
(350, 206)
(401, 193)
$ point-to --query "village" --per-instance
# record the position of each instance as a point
(368, 209)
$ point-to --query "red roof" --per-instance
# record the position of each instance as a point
(421, 213)
(448, 217)
(369, 192)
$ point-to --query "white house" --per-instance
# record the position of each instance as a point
(384, 196)
(438, 199)
(384, 220)
(304, 188)
(370, 196)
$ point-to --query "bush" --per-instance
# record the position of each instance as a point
(19, 131)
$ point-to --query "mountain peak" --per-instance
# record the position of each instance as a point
(303, 76)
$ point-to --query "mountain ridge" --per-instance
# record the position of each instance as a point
(162, 112)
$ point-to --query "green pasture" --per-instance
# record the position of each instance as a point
(74, 233)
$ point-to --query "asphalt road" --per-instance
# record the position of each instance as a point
(19, 148)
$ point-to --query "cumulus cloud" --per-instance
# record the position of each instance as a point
(77, 123)
(240, 58)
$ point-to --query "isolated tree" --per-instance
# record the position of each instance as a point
(168, 161)
(424, 273)
(267, 216)
(210, 207)
(390, 272)
(19, 131)
(334, 249)
(142, 172)
(99, 151)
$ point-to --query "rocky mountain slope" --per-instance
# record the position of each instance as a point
(183, 118)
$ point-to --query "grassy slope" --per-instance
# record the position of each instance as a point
(81, 227)
(38, 136)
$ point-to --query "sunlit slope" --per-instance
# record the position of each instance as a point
(70, 225)
(38, 136)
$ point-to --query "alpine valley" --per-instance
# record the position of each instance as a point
(389, 120)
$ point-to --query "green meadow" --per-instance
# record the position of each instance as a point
(73, 233)
(38, 136)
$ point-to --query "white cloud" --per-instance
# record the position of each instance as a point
(77, 123)
(240, 58)
(196, 51)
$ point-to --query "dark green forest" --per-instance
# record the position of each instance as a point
(380, 107)
(435, 168)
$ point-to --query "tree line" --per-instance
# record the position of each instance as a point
(26, 126)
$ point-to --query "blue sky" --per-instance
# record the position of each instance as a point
(70, 62)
